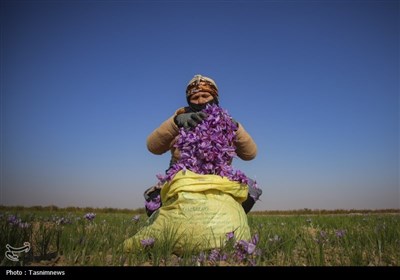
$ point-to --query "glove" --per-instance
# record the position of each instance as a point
(188, 120)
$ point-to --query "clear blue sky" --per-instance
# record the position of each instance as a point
(316, 83)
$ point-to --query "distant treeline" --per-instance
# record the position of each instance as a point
(305, 211)
(53, 208)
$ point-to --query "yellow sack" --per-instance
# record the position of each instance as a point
(197, 212)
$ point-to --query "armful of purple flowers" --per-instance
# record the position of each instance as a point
(208, 147)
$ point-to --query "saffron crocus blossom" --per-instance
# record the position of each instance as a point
(215, 255)
(90, 216)
(201, 259)
(24, 225)
(147, 242)
(275, 239)
(230, 235)
(136, 218)
(153, 204)
(208, 148)
(255, 239)
(340, 233)
(63, 221)
(14, 220)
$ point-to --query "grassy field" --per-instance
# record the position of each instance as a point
(77, 238)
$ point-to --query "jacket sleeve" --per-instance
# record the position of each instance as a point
(246, 148)
(162, 138)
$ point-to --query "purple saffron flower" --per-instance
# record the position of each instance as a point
(230, 235)
(13, 220)
(246, 247)
(275, 239)
(201, 258)
(250, 248)
(214, 256)
(136, 218)
(90, 216)
(340, 233)
(239, 256)
(154, 203)
(224, 257)
(149, 242)
(24, 225)
(322, 238)
(255, 239)
(63, 221)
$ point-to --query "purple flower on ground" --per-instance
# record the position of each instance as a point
(224, 257)
(230, 235)
(63, 221)
(24, 225)
(147, 242)
(247, 251)
(14, 220)
(201, 258)
(255, 239)
(340, 233)
(275, 239)
(214, 256)
(246, 247)
(90, 216)
(136, 218)
(322, 238)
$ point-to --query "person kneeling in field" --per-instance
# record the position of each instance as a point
(203, 198)
(200, 92)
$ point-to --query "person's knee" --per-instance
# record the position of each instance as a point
(252, 197)
(153, 200)
(248, 204)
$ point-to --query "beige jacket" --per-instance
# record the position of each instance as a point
(163, 138)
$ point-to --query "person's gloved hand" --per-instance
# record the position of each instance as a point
(188, 120)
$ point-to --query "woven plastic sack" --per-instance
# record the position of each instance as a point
(196, 214)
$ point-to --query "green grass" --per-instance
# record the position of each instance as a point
(67, 238)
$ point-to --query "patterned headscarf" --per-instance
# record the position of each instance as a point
(201, 83)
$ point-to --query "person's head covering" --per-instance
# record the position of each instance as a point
(201, 83)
